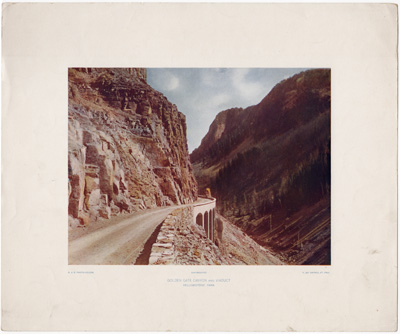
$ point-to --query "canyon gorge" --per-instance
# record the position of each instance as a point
(129, 170)
(269, 167)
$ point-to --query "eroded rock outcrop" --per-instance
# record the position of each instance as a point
(127, 147)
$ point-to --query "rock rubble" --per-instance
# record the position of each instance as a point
(180, 242)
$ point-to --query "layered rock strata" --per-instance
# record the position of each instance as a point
(127, 147)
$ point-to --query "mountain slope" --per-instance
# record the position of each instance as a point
(269, 167)
(127, 147)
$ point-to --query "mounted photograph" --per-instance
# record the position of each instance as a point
(199, 166)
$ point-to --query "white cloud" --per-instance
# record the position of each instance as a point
(219, 100)
(208, 78)
(201, 93)
(212, 77)
(172, 83)
(252, 91)
(239, 74)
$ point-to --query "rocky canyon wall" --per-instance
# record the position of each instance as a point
(127, 147)
(269, 167)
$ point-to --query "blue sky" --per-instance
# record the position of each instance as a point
(201, 93)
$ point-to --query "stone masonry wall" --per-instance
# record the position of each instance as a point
(181, 242)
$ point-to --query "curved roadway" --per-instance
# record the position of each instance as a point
(118, 243)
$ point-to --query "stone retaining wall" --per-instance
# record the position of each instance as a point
(163, 250)
(180, 242)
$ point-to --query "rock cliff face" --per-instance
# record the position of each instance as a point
(269, 167)
(127, 147)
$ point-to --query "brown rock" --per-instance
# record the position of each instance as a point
(271, 167)
(126, 142)
(84, 219)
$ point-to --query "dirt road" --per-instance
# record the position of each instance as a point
(117, 243)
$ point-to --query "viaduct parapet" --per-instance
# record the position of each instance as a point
(204, 215)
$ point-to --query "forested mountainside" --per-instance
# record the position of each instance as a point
(269, 167)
